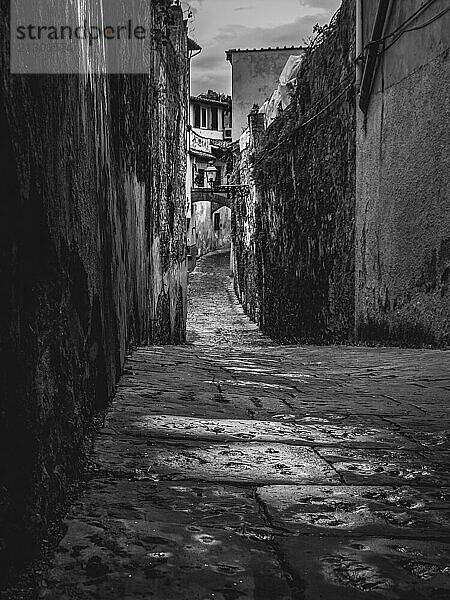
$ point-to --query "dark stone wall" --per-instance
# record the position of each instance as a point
(294, 232)
(92, 258)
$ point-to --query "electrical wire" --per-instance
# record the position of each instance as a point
(327, 106)
(422, 26)
(343, 82)
(396, 34)
(399, 31)
(415, 14)
(304, 123)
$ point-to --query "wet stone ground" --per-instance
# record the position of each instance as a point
(236, 469)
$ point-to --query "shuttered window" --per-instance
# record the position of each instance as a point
(196, 115)
(204, 118)
(215, 118)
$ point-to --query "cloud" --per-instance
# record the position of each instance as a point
(329, 5)
(193, 5)
(210, 70)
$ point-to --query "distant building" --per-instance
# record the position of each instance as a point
(209, 134)
(255, 75)
(210, 119)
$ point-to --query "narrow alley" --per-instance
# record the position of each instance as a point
(225, 300)
(233, 468)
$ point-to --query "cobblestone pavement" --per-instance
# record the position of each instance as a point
(233, 468)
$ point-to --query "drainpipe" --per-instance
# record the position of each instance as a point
(359, 45)
(388, 17)
(192, 46)
(372, 55)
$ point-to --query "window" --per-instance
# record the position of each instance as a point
(204, 118)
(226, 119)
(197, 116)
(216, 221)
(218, 176)
(200, 179)
(215, 118)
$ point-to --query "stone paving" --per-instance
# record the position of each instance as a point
(233, 468)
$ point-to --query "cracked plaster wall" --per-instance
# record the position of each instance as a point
(403, 199)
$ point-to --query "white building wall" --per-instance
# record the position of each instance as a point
(255, 75)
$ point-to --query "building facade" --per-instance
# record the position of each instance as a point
(209, 225)
(92, 256)
(345, 233)
(255, 75)
(402, 165)
(293, 225)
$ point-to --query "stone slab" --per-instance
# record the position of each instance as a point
(351, 432)
(386, 467)
(135, 540)
(359, 510)
(371, 568)
(249, 463)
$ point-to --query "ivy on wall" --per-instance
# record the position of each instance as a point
(295, 271)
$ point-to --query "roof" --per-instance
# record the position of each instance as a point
(205, 100)
(232, 51)
(192, 45)
(200, 154)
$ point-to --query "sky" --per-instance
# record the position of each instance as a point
(218, 25)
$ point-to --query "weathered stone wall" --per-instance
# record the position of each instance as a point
(92, 257)
(293, 234)
(403, 200)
